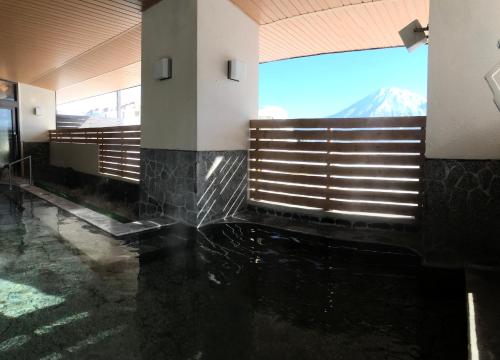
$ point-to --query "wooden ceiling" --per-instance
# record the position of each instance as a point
(52, 43)
(58, 43)
(293, 28)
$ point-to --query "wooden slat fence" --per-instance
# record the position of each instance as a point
(119, 147)
(367, 167)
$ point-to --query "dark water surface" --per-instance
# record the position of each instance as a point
(227, 291)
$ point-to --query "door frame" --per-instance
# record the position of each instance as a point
(13, 105)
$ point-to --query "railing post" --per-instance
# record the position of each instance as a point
(10, 177)
(31, 173)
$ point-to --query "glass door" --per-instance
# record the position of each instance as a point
(7, 136)
(9, 142)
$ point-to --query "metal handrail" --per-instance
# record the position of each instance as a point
(14, 163)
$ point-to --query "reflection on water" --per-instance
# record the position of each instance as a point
(228, 291)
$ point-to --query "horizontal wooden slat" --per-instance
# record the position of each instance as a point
(123, 170)
(293, 200)
(119, 167)
(337, 158)
(300, 179)
(375, 196)
(121, 160)
(340, 147)
(120, 173)
(375, 208)
(283, 134)
(336, 205)
(366, 163)
(101, 129)
(376, 184)
(292, 168)
(412, 121)
(378, 135)
(339, 182)
(290, 156)
(280, 187)
(375, 172)
(376, 159)
(120, 141)
(282, 145)
(97, 135)
(339, 135)
(126, 135)
(336, 170)
(119, 147)
(332, 193)
(99, 141)
(121, 152)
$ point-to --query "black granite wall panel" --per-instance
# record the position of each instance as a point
(462, 210)
(195, 187)
(39, 152)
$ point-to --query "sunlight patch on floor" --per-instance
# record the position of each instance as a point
(17, 299)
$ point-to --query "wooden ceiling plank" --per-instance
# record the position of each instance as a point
(336, 30)
(372, 16)
(48, 34)
(70, 18)
(100, 13)
(116, 8)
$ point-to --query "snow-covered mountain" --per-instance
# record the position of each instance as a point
(386, 102)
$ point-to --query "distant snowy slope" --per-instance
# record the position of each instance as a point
(386, 103)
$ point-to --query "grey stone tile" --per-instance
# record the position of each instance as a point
(98, 220)
(194, 187)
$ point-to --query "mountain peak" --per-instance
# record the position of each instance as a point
(387, 102)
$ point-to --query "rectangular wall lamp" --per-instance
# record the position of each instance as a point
(236, 70)
(163, 69)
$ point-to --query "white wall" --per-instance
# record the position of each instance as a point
(35, 128)
(169, 106)
(199, 108)
(463, 121)
(225, 106)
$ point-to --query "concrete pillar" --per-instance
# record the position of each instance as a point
(195, 125)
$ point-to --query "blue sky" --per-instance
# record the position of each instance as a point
(319, 86)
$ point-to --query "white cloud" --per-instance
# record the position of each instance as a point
(273, 112)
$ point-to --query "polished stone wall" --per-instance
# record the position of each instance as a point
(359, 223)
(194, 187)
(39, 152)
(462, 210)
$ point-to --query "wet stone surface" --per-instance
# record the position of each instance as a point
(225, 291)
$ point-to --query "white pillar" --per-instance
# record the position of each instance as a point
(195, 125)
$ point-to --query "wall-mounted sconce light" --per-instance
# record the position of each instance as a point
(414, 35)
(236, 70)
(163, 69)
(493, 80)
(37, 111)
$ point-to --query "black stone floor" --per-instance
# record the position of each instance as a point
(225, 291)
(483, 295)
